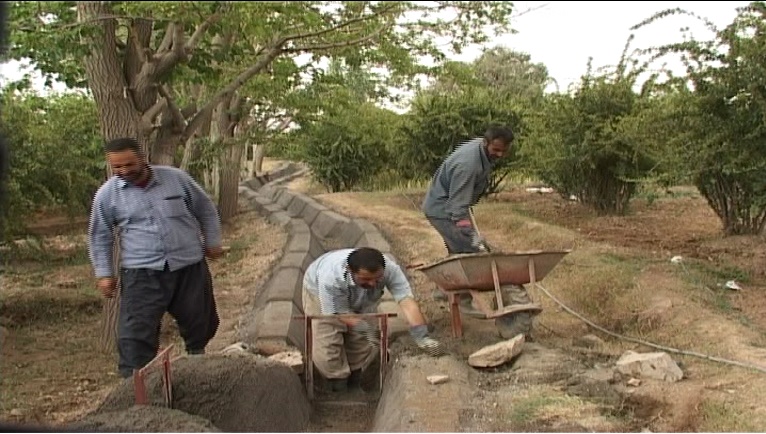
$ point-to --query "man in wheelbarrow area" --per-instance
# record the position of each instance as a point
(351, 281)
(456, 187)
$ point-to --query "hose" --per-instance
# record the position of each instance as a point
(649, 344)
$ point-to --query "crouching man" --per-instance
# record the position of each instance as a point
(351, 281)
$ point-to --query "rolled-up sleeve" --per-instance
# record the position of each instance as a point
(101, 235)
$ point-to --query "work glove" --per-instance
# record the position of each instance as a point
(477, 242)
(429, 345)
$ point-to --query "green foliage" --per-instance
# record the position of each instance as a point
(350, 146)
(592, 143)
(720, 117)
(56, 157)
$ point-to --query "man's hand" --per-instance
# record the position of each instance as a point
(429, 345)
(107, 286)
(214, 252)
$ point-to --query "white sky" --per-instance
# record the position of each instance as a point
(562, 35)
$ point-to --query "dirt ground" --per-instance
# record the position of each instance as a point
(619, 275)
(53, 368)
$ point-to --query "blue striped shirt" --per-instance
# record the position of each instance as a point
(170, 221)
(329, 279)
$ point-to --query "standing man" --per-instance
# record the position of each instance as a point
(351, 281)
(166, 225)
(456, 187)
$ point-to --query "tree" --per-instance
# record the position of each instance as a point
(721, 116)
(586, 143)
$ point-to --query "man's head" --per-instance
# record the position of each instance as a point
(497, 142)
(366, 266)
(126, 159)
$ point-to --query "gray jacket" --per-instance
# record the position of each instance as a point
(458, 182)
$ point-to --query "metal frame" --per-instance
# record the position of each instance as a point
(139, 386)
(308, 344)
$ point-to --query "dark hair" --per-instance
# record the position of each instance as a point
(123, 144)
(497, 132)
(366, 258)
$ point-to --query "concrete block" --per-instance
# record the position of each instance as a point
(300, 243)
(374, 240)
(259, 204)
(271, 208)
(350, 235)
(315, 248)
(266, 191)
(329, 224)
(285, 198)
(279, 218)
(283, 285)
(254, 183)
(275, 319)
(299, 260)
(277, 193)
(297, 226)
(312, 210)
(295, 209)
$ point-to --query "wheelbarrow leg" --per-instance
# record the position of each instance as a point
(454, 309)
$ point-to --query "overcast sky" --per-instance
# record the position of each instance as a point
(562, 35)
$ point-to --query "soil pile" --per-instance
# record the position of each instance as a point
(143, 418)
(237, 393)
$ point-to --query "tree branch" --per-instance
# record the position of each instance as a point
(167, 39)
(199, 32)
(271, 53)
(147, 119)
(341, 25)
(178, 117)
(331, 45)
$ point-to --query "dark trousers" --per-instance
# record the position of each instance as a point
(455, 240)
(187, 294)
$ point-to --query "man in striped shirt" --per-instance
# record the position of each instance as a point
(351, 281)
(167, 225)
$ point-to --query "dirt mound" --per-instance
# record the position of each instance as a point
(144, 418)
(237, 393)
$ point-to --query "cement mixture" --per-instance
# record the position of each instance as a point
(236, 393)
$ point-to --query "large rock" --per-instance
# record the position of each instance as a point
(658, 366)
(497, 354)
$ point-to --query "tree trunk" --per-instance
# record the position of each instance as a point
(258, 155)
(117, 116)
(229, 181)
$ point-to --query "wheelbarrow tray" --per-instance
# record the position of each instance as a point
(473, 271)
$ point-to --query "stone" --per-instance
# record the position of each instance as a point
(497, 354)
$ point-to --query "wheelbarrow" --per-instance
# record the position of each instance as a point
(479, 273)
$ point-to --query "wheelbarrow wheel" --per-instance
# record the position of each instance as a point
(510, 326)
